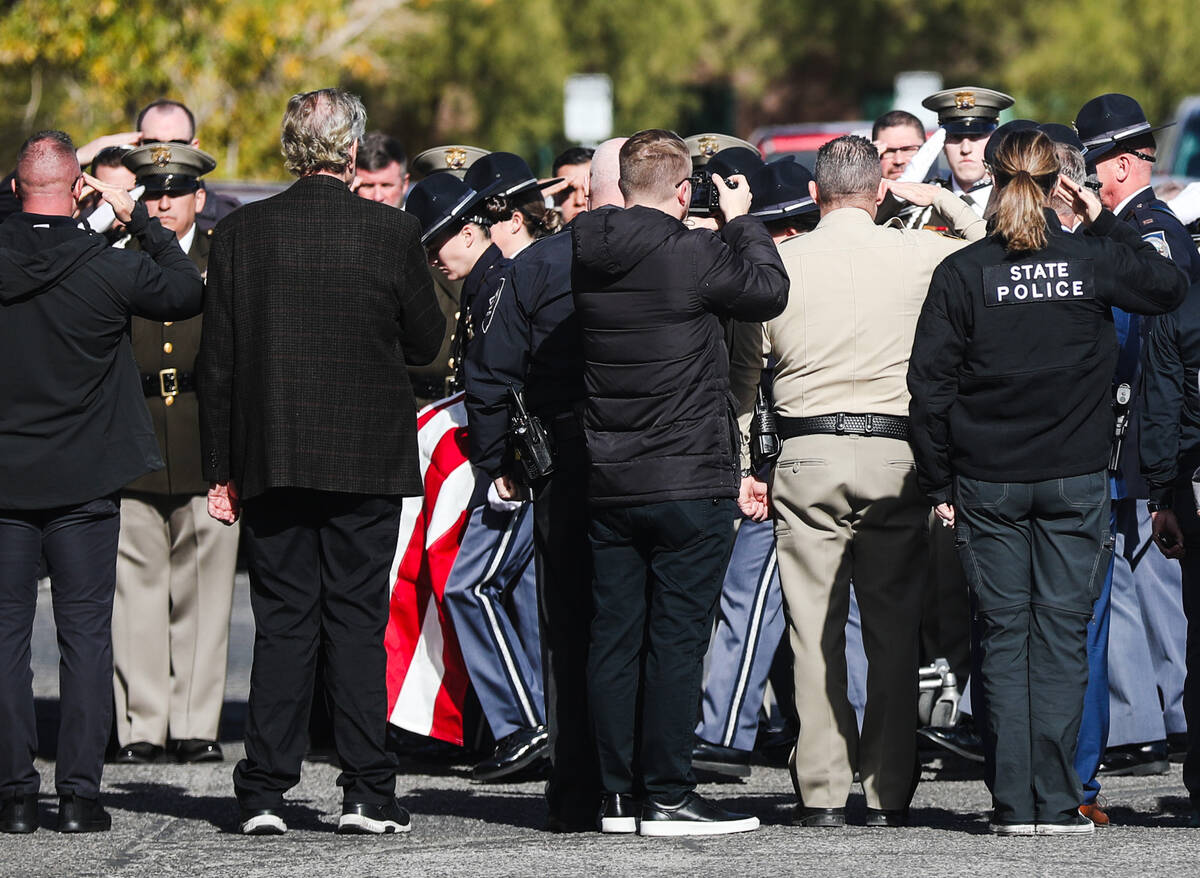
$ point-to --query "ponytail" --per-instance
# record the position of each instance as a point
(1026, 168)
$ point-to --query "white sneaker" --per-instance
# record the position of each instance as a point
(1077, 825)
(359, 818)
(1012, 828)
(264, 822)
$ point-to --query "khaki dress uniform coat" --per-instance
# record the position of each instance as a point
(848, 507)
(175, 564)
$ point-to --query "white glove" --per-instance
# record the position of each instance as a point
(1186, 205)
(499, 505)
(925, 158)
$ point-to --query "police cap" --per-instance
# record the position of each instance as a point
(508, 171)
(168, 167)
(779, 190)
(703, 147)
(969, 109)
(997, 138)
(735, 160)
(1062, 134)
(454, 159)
(1104, 122)
(438, 201)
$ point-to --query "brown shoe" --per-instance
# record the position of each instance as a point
(1094, 813)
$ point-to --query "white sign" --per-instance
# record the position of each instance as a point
(912, 87)
(588, 108)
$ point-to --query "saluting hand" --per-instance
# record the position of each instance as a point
(1083, 200)
(121, 201)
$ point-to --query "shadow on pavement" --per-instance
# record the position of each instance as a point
(169, 800)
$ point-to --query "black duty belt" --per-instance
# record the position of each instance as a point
(168, 383)
(845, 424)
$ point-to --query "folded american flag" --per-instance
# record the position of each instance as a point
(426, 676)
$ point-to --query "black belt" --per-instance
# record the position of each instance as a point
(844, 424)
(168, 382)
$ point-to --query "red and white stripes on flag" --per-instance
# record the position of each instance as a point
(426, 675)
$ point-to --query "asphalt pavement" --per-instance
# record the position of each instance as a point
(173, 820)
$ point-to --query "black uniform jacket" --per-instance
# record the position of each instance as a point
(650, 294)
(1013, 359)
(527, 336)
(316, 301)
(73, 423)
(1170, 402)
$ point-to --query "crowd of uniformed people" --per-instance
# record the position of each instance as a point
(940, 433)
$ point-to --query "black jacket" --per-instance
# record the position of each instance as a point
(527, 336)
(316, 301)
(1012, 364)
(1170, 400)
(73, 421)
(650, 294)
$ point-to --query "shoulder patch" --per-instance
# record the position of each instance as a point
(1023, 283)
(1158, 240)
(493, 301)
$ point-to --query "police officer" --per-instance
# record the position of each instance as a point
(1013, 447)
(1147, 629)
(529, 340)
(435, 381)
(175, 564)
(968, 115)
(491, 592)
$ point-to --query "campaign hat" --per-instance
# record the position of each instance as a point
(175, 168)
(968, 109)
(779, 190)
(439, 200)
(735, 160)
(506, 174)
(454, 159)
(703, 147)
(1104, 122)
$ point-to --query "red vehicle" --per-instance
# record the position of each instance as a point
(803, 140)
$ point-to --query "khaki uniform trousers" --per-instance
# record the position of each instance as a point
(848, 509)
(175, 570)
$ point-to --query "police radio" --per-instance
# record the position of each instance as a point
(764, 433)
(530, 442)
(1121, 398)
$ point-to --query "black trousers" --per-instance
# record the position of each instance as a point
(1184, 506)
(564, 578)
(80, 546)
(319, 565)
(658, 576)
(1036, 555)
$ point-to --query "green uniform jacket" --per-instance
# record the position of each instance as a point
(173, 345)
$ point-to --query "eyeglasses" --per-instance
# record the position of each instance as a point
(900, 151)
(1094, 185)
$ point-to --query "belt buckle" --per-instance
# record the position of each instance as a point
(839, 424)
(869, 425)
(168, 383)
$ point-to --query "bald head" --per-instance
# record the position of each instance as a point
(605, 174)
(47, 174)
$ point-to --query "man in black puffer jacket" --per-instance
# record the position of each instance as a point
(650, 295)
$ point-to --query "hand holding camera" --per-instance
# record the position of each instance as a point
(733, 196)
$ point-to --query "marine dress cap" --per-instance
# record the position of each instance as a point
(454, 159)
(1105, 121)
(968, 109)
(168, 167)
(703, 147)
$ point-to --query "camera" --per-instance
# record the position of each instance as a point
(706, 197)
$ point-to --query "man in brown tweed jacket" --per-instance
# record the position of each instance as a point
(316, 301)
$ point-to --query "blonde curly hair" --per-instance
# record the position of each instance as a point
(319, 129)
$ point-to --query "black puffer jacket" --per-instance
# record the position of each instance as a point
(650, 295)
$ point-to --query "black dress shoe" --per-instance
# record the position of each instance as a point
(197, 750)
(360, 818)
(724, 761)
(618, 813)
(19, 813)
(1135, 759)
(821, 818)
(695, 815)
(77, 814)
(879, 817)
(1177, 746)
(957, 739)
(513, 753)
(138, 753)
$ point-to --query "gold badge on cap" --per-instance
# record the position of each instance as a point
(456, 158)
(708, 146)
(964, 100)
(161, 156)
